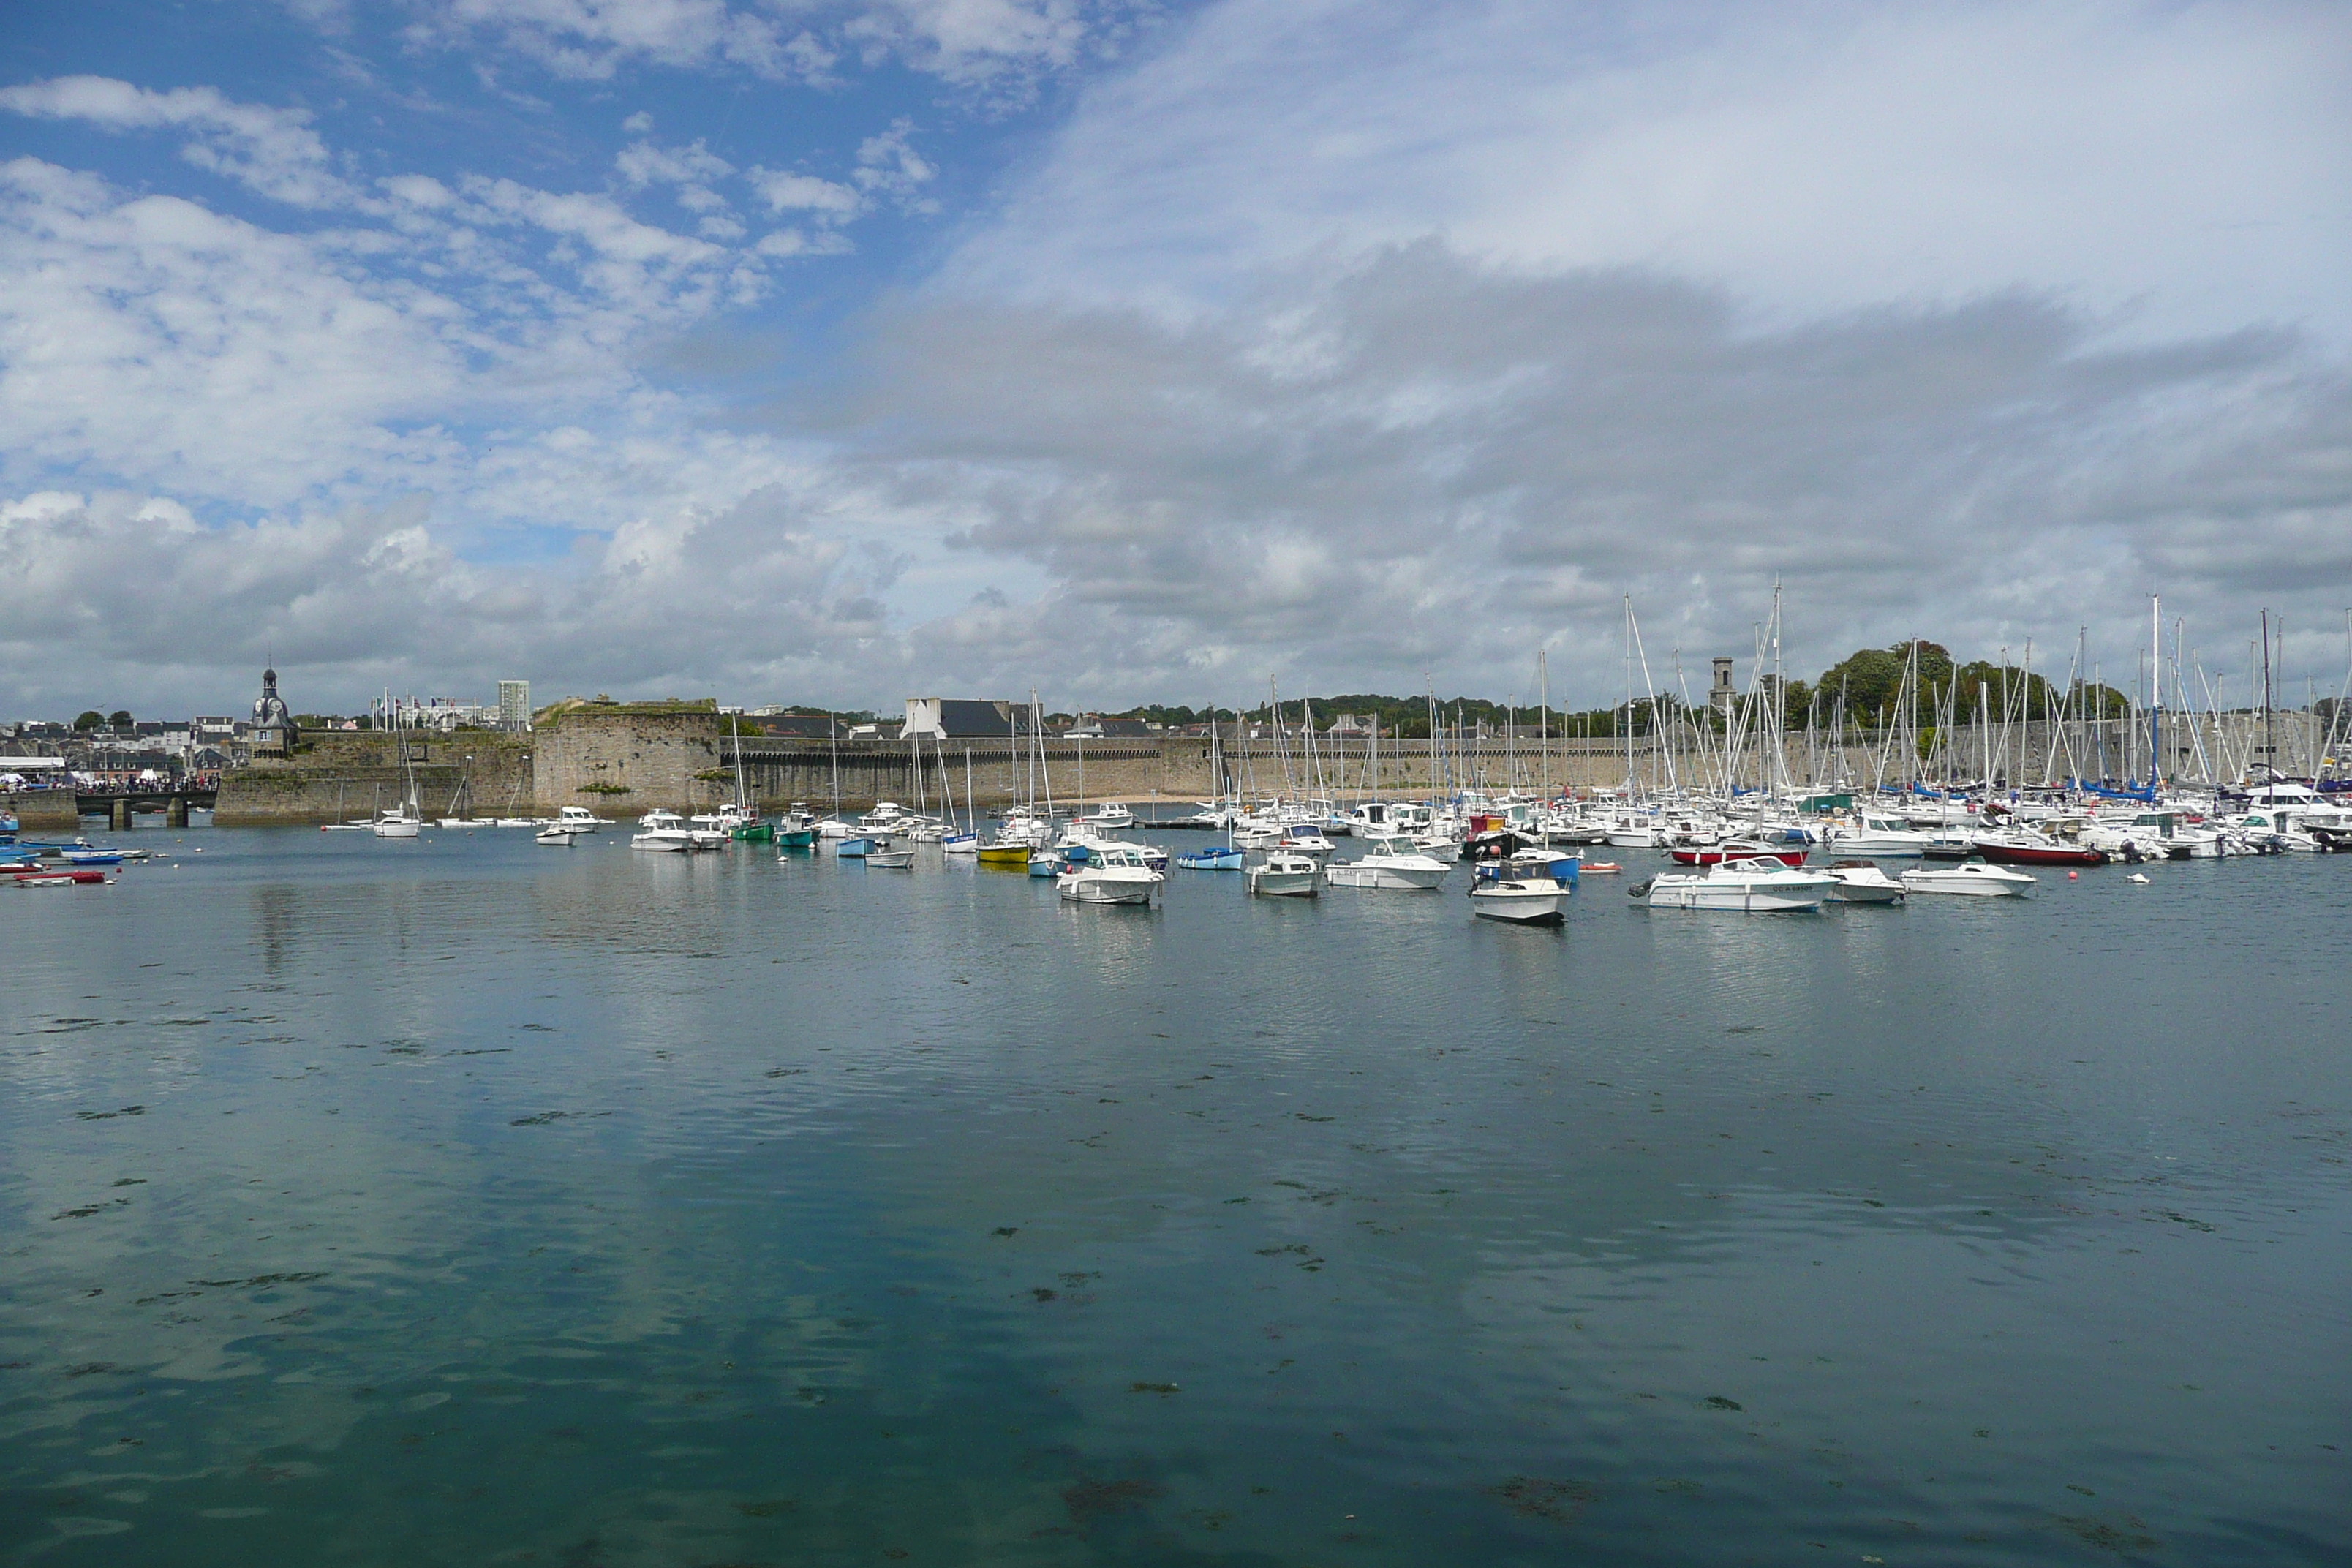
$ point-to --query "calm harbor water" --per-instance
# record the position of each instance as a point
(468, 1202)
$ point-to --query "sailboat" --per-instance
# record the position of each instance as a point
(749, 824)
(404, 820)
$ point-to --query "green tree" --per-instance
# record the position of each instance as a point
(89, 719)
(119, 718)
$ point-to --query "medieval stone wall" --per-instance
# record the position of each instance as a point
(341, 774)
(623, 763)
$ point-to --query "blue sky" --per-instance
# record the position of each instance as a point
(835, 350)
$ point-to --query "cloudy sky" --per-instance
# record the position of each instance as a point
(838, 349)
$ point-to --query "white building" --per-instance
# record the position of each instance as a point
(514, 704)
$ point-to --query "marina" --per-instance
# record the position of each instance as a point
(1808, 1215)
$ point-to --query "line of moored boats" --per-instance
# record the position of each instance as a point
(1754, 854)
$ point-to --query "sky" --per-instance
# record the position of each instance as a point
(839, 351)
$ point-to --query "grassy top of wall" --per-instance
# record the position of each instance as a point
(598, 708)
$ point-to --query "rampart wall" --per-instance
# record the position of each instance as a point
(342, 774)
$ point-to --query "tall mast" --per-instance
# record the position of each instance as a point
(1543, 687)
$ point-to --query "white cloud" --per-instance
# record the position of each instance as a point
(997, 45)
(888, 165)
(786, 192)
(642, 162)
(2183, 162)
(273, 150)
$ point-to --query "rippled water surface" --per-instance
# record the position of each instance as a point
(464, 1201)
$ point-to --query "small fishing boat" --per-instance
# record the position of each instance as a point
(1047, 862)
(1862, 883)
(1971, 877)
(556, 837)
(1305, 839)
(1516, 902)
(961, 843)
(92, 856)
(1600, 867)
(1531, 865)
(661, 832)
(795, 837)
(1113, 874)
(891, 859)
(1286, 876)
(46, 878)
(579, 819)
(1223, 858)
(1109, 817)
(858, 848)
(1005, 852)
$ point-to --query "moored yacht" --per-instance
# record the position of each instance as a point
(1393, 862)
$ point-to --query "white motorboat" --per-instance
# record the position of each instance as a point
(1109, 817)
(467, 822)
(1970, 876)
(397, 822)
(663, 832)
(1748, 887)
(1306, 839)
(578, 819)
(1286, 876)
(1535, 902)
(1110, 874)
(1862, 883)
(556, 837)
(1394, 862)
(891, 859)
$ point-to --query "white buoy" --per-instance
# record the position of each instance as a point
(2136, 877)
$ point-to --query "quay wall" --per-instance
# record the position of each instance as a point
(340, 774)
(41, 813)
(1182, 767)
(622, 764)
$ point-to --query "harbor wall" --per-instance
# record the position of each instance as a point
(342, 774)
(40, 813)
(1180, 768)
(623, 763)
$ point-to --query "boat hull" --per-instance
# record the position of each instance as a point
(1517, 904)
(1740, 895)
(1397, 878)
(1087, 888)
(2039, 854)
(1961, 880)
(1285, 884)
(1002, 853)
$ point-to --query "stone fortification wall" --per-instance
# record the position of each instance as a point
(340, 774)
(621, 762)
(43, 813)
(1178, 768)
